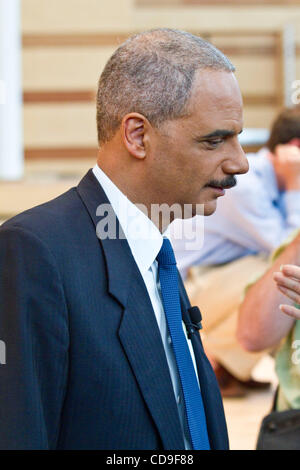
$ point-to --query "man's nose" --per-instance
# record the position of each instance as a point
(237, 162)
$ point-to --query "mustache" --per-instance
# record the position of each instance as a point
(226, 183)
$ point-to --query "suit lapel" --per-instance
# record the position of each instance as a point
(140, 337)
(139, 333)
(116, 250)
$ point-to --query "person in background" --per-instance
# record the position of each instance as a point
(251, 221)
(270, 318)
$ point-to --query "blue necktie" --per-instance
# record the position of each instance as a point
(195, 413)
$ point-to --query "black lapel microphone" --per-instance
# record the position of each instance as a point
(196, 317)
(192, 319)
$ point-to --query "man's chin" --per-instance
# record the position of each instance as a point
(207, 208)
(210, 207)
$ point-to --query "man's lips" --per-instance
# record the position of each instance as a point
(220, 186)
(228, 186)
(218, 189)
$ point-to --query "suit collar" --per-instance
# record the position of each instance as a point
(118, 257)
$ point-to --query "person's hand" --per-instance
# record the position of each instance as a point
(288, 282)
(287, 165)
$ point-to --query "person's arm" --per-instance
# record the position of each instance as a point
(34, 330)
(261, 323)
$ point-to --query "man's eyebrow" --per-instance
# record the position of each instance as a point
(220, 133)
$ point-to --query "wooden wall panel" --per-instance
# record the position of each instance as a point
(255, 74)
(259, 116)
(58, 96)
(78, 40)
(185, 3)
(216, 18)
(94, 16)
(60, 125)
(69, 16)
(63, 68)
(61, 153)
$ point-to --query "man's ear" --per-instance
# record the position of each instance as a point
(134, 126)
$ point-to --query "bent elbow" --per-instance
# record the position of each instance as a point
(250, 342)
(250, 345)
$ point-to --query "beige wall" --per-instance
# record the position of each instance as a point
(69, 16)
(77, 68)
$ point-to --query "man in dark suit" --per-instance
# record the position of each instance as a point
(90, 299)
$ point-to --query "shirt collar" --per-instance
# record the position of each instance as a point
(144, 238)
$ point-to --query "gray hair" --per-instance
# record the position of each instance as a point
(152, 74)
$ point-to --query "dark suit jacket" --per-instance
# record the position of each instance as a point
(85, 365)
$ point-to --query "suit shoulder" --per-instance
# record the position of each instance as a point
(45, 217)
(62, 226)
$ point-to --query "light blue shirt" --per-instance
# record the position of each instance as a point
(253, 217)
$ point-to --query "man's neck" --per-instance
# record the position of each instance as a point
(138, 196)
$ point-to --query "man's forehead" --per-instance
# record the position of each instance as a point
(215, 87)
(216, 103)
(214, 121)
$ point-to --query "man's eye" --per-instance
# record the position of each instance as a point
(214, 143)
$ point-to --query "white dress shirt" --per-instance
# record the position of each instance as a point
(145, 242)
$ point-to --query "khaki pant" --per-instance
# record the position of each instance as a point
(218, 292)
